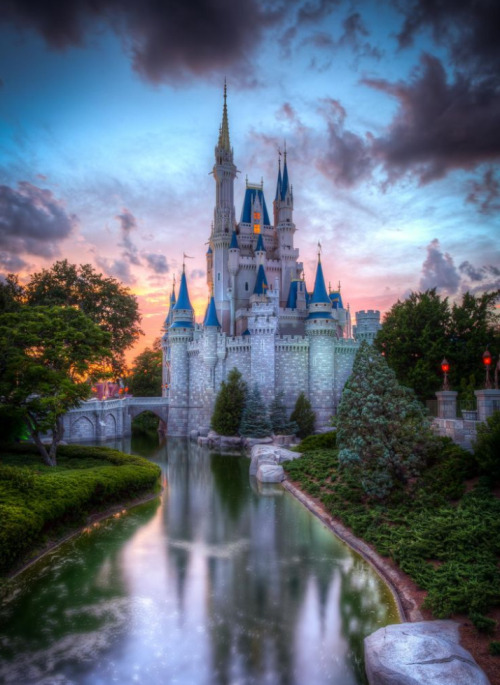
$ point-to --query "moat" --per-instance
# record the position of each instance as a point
(215, 582)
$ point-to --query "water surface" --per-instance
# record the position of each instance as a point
(214, 583)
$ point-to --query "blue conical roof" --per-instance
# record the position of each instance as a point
(261, 282)
(278, 184)
(183, 300)
(234, 242)
(211, 314)
(168, 320)
(260, 244)
(284, 184)
(291, 302)
(209, 251)
(320, 294)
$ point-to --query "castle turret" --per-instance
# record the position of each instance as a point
(367, 325)
(260, 252)
(321, 331)
(211, 329)
(179, 335)
(224, 172)
(285, 228)
(263, 326)
(165, 376)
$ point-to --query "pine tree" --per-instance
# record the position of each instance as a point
(383, 434)
(278, 416)
(255, 421)
(229, 404)
(303, 416)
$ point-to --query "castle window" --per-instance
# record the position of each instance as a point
(256, 228)
(256, 218)
(246, 285)
(218, 275)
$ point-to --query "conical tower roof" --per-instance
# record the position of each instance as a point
(320, 294)
(224, 141)
(183, 299)
(261, 282)
(211, 314)
(260, 244)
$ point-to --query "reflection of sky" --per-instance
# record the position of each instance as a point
(84, 125)
(217, 585)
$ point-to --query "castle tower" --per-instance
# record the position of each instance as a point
(285, 228)
(224, 172)
(263, 325)
(179, 334)
(165, 375)
(233, 266)
(211, 329)
(367, 325)
(321, 331)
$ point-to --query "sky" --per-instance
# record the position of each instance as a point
(390, 111)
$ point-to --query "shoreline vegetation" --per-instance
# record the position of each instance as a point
(41, 507)
(437, 550)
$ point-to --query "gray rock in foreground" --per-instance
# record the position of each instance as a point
(270, 473)
(425, 653)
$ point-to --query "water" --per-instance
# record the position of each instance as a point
(214, 583)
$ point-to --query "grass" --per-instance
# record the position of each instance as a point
(38, 503)
(443, 531)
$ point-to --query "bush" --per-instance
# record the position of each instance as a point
(487, 447)
(278, 416)
(483, 624)
(35, 499)
(317, 442)
(303, 416)
(494, 648)
(255, 422)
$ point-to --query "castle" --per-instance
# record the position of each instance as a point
(260, 317)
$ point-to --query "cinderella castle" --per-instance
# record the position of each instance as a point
(260, 316)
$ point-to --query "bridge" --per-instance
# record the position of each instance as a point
(107, 419)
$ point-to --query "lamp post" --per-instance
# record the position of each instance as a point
(445, 367)
(487, 364)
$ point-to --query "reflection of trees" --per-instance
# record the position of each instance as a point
(64, 595)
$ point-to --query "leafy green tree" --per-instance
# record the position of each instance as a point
(303, 417)
(279, 417)
(417, 333)
(146, 375)
(48, 355)
(383, 434)
(487, 447)
(229, 404)
(11, 294)
(255, 421)
(104, 300)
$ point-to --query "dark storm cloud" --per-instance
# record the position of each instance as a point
(485, 193)
(439, 271)
(478, 274)
(157, 263)
(127, 220)
(346, 159)
(11, 262)
(164, 39)
(32, 221)
(128, 223)
(117, 268)
(439, 126)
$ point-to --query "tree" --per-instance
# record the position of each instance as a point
(11, 293)
(255, 421)
(48, 355)
(487, 447)
(146, 376)
(417, 333)
(104, 300)
(303, 416)
(279, 418)
(229, 404)
(383, 434)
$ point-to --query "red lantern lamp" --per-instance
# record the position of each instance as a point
(445, 367)
(487, 364)
(487, 358)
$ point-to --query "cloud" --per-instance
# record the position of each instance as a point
(118, 268)
(11, 262)
(128, 223)
(485, 193)
(439, 271)
(346, 159)
(32, 221)
(196, 273)
(439, 126)
(127, 220)
(157, 262)
(165, 40)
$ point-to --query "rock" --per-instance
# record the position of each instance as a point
(270, 473)
(259, 459)
(228, 442)
(250, 442)
(193, 435)
(420, 654)
(287, 455)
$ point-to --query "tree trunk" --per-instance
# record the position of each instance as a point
(49, 458)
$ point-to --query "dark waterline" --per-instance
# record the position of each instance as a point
(214, 583)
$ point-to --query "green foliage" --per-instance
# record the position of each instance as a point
(36, 500)
(229, 404)
(146, 423)
(450, 547)
(146, 375)
(494, 648)
(384, 436)
(255, 421)
(303, 416)
(417, 333)
(317, 442)
(279, 418)
(483, 624)
(487, 447)
(47, 356)
(104, 300)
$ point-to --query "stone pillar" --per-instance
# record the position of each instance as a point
(488, 401)
(447, 404)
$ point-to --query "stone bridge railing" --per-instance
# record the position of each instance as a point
(107, 419)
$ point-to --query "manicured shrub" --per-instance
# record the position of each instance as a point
(303, 416)
(279, 418)
(229, 404)
(483, 624)
(255, 422)
(317, 442)
(494, 648)
(487, 447)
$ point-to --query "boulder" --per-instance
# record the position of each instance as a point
(420, 654)
(259, 459)
(270, 473)
(287, 455)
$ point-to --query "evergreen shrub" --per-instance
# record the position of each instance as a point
(278, 416)
(229, 404)
(303, 416)
(487, 447)
(255, 421)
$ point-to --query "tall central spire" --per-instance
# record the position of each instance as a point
(224, 142)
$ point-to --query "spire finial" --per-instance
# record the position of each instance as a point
(319, 251)
(224, 129)
(339, 286)
(173, 284)
(329, 286)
